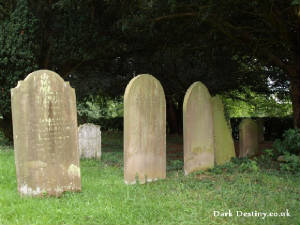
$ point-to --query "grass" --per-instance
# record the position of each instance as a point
(105, 199)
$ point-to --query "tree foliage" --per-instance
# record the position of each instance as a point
(247, 103)
(100, 45)
(17, 52)
(262, 32)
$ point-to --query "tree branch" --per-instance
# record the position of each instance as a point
(173, 16)
(245, 38)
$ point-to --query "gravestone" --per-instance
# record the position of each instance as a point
(89, 141)
(224, 146)
(45, 135)
(248, 138)
(198, 129)
(260, 127)
(144, 130)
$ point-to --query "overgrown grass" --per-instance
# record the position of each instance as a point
(238, 186)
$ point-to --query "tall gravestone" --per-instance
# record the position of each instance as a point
(224, 146)
(89, 141)
(45, 135)
(144, 130)
(198, 129)
(248, 138)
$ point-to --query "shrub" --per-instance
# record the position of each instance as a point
(236, 164)
(3, 140)
(288, 146)
(267, 159)
(290, 142)
(249, 166)
(291, 164)
(175, 165)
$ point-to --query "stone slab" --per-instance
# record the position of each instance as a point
(144, 130)
(198, 131)
(45, 135)
(248, 138)
(89, 141)
(224, 145)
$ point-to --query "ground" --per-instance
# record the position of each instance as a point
(243, 186)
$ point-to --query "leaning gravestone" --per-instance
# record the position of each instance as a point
(89, 141)
(248, 138)
(144, 130)
(224, 146)
(198, 129)
(45, 135)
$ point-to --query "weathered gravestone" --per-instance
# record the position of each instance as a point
(45, 135)
(144, 130)
(224, 146)
(248, 138)
(260, 127)
(198, 129)
(89, 141)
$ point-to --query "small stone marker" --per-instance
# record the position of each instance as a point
(144, 130)
(248, 138)
(89, 141)
(224, 146)
(198, 129)
(45, 135)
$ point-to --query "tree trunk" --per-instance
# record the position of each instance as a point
(174, 115)
(293, 73)
(6, 127)
(180, 114)
(171, 116)
(295, 94)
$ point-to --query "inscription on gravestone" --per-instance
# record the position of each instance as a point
(45, 135)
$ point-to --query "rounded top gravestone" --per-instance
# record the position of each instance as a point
(45, 135)
(198, 129)
(144, 130)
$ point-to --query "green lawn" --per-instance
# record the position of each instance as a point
(179, 199)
